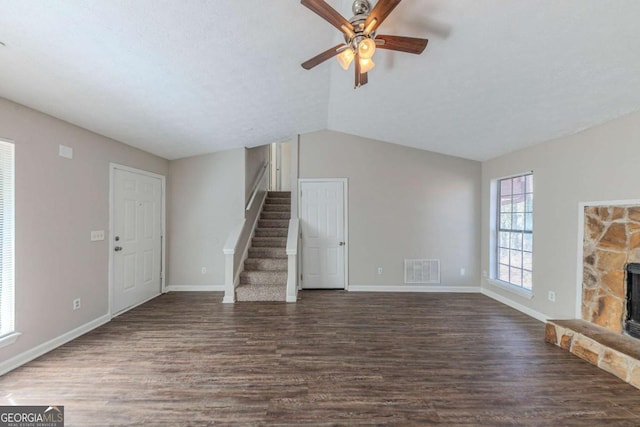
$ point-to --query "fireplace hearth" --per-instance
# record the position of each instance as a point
(632, 322)
(608, 334)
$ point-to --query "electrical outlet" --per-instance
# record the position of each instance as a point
(379, 271)
(204, 270)
(64, 151)
(76, 304)
(463, 272)
(552, 296)
(97, 235)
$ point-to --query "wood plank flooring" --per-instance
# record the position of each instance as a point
(334, 358)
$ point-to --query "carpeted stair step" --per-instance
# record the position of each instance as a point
(272, 232)
(280, 194)
(277, 201)
(273, 223)
(277, 208)
(267, 253)
(270, 292)
(269, 242)
(275, 215)
(263, 278)
(265, 264)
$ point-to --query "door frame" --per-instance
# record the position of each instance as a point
(345, 187)
(163, 245)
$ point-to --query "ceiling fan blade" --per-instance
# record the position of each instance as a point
(379, 13)
(402, 44)
(327, 54)
(329, 14)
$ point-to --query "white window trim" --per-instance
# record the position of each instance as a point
(493, 240)
(7, 340)
(526, 293)
(10, 334)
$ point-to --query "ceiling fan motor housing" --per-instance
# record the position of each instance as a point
(361, 7)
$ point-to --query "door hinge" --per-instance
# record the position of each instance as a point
(301, 277)
(300, 235)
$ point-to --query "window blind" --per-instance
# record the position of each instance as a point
(7, 238)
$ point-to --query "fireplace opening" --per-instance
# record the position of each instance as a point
(632, 323)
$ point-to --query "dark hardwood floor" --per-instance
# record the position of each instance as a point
(334, 358)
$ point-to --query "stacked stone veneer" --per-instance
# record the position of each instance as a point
(611, 240)
(615, 353)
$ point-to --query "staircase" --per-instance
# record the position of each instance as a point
(265, 270)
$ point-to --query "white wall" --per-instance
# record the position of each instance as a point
(599, 164)
(207, 201)
(403, 203)
(58, 202)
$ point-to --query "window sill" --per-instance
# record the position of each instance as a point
(7, 340)
(525, 293)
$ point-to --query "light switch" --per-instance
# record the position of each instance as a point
(97, 235)
(66, 152)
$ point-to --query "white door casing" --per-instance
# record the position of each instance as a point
(137, 230)
(323, 214)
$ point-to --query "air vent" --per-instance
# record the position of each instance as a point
(421, 271)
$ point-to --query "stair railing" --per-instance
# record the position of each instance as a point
(237, 245)
(257, 186)
(292, 256)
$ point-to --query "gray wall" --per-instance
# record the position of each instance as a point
(255, 158)
(403, 203)
(58, 202)
(207, 201)
(599, 164)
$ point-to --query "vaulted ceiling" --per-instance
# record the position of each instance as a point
(184, 77)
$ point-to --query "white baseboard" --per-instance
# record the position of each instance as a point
(195, 288)
(414, 288)
(506, 301)
(46, 347)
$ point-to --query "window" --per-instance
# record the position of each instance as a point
(7, 232)
(514, 240)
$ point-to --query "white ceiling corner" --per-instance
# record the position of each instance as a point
(181, 78)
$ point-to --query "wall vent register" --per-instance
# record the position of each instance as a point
(421, 271)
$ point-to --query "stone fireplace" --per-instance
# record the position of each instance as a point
(608, 335)
(611, 242)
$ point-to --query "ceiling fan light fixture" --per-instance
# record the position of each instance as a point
(366, 65)
(360, 36)
(345, 58)
(366, 48)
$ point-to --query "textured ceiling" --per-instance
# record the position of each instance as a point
(186, 77)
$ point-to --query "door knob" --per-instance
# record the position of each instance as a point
(117, 248)
(342, 243)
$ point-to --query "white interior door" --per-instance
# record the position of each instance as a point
(322, 222)
(137, 238)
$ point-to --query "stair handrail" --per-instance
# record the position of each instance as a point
(256, 185)
(292, 255)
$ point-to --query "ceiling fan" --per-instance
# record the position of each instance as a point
(360, 36)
